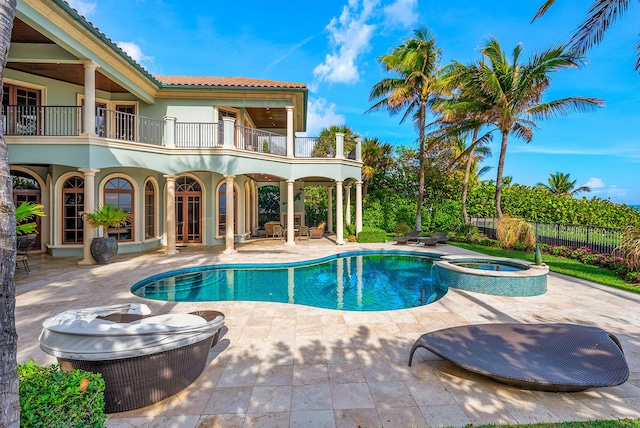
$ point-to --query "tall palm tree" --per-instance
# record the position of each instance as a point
(412, 90)
(600, 16)
(376, 158)
(10, 417)
(326, 143)
(507, 94)
(561, 184)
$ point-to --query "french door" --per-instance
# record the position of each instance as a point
(188, 211)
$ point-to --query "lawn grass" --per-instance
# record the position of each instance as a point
(561, 265)
(625, 423)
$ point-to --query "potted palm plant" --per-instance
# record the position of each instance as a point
(103, 249)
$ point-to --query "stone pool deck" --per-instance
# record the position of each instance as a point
(280, 365)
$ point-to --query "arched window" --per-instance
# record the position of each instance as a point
(149, 210)
(119, 192)
(72, 207)
(222, 210)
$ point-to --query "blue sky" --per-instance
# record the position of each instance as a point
(333, 46)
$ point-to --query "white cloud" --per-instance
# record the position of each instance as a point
(135, 52)
(84, 8)
(321, 114)
(594, 183)
(350, 36)
(402, 12)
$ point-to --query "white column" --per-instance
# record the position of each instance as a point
(228, 126)
(290, 213)
(358, 207)
(339, 145)
(170, 131)
(247, 210)
(255, 206)
(88, 231)
(290, 133)
(347, 209)
(230, 215)
(303, 220)
(339, 214)
(170, 224)
(330, 209)
(89, 124)
(359, 149)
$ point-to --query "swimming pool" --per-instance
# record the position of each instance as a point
(355, 281)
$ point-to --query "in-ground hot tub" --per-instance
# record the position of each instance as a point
(492, 275)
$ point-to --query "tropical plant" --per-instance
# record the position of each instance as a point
(108, 216)
(507, 94)
(268, 204)
(10, 416)
(24, 212)
(413, 89)
(376, 159)
(326, 143)
(629, 249)
(513, 231)
(600, 16)
(560, 184)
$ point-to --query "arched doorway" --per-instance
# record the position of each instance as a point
(27, 189)
(188, 211)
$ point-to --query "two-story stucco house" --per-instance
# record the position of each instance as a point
(86, 126)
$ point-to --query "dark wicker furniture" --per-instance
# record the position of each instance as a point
(545, 357)
(139, 381)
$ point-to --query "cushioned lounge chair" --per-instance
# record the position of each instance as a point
(412, 236)
(545, 357)
(437, 238)
(317, 232)
(142, 358)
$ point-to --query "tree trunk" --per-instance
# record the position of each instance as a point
(423, 112)
(467, 172)
(10, 407)
(503, 153)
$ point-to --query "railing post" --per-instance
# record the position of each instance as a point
(290, 135)
(228, 124)
(339, 145)
(170, 131)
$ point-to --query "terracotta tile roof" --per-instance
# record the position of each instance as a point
(244, 82)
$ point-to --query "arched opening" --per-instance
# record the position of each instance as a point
(119, 192)
(72, 208)
(188, 211)
(27, 189)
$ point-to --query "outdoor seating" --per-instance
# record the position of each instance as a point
(544, 357)
(268, 228)
(142, 358)
(277, 232)
(304, 231)
(437, 238)
(411, 236)
(317, 232)
(22, 256)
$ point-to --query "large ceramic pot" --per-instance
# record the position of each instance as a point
(104, 249)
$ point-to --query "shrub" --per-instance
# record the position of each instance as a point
(629, 249)
(401, 229)
(50, 397)
(370, 234)
(512, 231)
(466, 231)
(349, 230)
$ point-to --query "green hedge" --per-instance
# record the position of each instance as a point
(50, 397)
(370, 234)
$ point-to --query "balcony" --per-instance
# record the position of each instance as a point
(61, 121)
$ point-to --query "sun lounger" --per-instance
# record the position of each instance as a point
(545, 357)
(437, 238)
(142, 358)
(317, 232)
(412, 236)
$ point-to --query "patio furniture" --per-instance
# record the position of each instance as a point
(304, 231)
(268, 227)
(411, 236)
(22, 256)
(437, 238)
(317, 232)
(277, 232)
(142, 358)
(545, 357)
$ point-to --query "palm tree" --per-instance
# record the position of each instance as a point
(326, 143)
(507, 94)
(601, 15)
(561, 184)
(376, 158)
(10, 417)
(412, 91)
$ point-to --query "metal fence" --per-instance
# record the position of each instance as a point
(41, 120)
(119, 125)
(598, 238)
(201, 135)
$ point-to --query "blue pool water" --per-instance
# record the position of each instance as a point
(361, 281)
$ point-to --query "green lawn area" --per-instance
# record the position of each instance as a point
(625, 423)
(561, 265)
